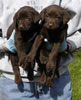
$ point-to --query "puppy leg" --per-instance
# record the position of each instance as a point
(49, 82)
(43, 78)
(30, 68)
(43, 73)
(51, 64)
(42, 69)
(50, 73)
(14, 61)
(32, 54)
(43, 56)
(30, 57)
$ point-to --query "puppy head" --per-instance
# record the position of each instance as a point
(54, 17)
(25, 17)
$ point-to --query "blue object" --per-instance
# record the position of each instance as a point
(10, 43)
(32, 90)
(49, 45)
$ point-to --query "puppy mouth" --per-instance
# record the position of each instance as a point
(52, 26)
(24, 28)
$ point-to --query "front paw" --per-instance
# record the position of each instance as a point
(49, 83)
(51, 65)
(43, 78)
(29, 58)
(21, 60)
(18, 79)
(27, 63)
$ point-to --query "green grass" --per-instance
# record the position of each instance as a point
(75, 72)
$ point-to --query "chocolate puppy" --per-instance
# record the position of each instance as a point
(25, 23)
(54, 26)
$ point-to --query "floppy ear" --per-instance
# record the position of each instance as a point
(66, 17)
(42, 14)
(36, 17)
(15, 20)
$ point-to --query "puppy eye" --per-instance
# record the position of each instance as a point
(28, 18)
(58, 17)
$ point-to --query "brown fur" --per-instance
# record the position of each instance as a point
(26, 25)
(53, 27)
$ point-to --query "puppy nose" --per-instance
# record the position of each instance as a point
(50, 24)
(21, 26)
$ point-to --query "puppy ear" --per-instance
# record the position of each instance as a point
(36, 17)
(42, 14)
(66, 17)
(15, 20)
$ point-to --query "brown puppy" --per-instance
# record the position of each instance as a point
(54, 28)
(25, 23)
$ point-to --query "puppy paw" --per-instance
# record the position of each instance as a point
(21, 60)
(49, 83)
(18, 79)
(51, 65)
(29, 58)
(43, 78)
(28, 61)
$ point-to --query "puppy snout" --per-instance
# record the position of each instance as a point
(21, 27)
(50, 24)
